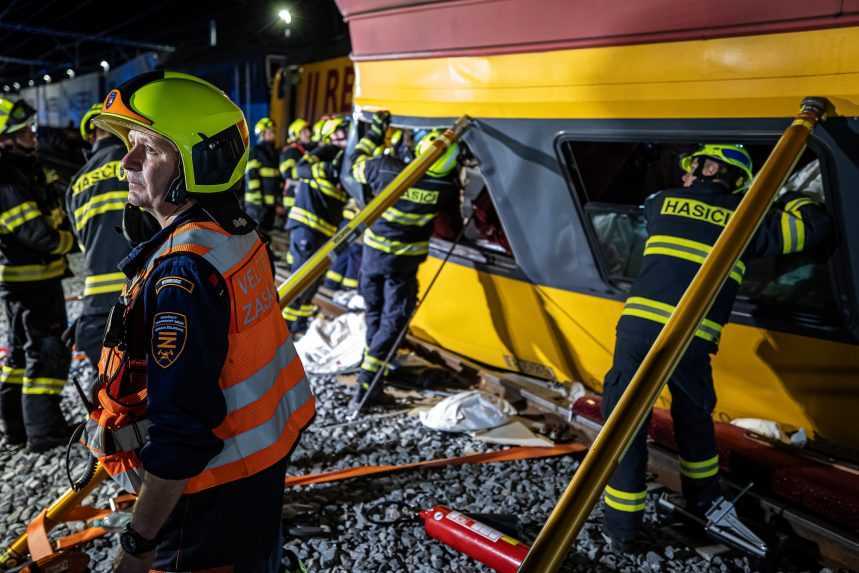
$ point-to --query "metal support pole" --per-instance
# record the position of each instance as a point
(17, 552)
(316, 265)
(560, 530)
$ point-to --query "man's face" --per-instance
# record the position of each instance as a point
(150, 165)
(26, 139)
(268, 135)
(710, 169)
(304, 135)
(339, 138)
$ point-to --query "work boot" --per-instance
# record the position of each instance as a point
(378, 397)
(626, 545)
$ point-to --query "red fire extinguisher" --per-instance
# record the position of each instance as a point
(475, 539)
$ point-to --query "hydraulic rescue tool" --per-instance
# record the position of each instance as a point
(560, 530)
(35, 542)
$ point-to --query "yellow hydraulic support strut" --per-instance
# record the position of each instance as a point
(291, 288)
(316, 265)
(560, 530)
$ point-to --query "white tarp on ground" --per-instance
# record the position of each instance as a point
(332, 345)
(468, 412)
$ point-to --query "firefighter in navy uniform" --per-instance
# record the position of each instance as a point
(263, 183)
(396, 244)
(200, 335)
(298, 145)
(32, 264)
(683, 225)
(95, 203)
(318, 210)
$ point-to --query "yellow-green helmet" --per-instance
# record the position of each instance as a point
(446, 163)
(332, 125)
(14, 115)
(295, 128)
(262, 125)
(208, 130)
(317, 129)
(732, 155)
(87, 128)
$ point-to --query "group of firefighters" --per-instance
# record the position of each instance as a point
(200, 395)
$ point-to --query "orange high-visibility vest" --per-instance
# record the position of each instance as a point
(268, 398)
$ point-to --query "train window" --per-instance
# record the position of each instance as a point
(611, 180)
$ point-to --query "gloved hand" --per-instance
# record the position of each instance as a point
(381, 121)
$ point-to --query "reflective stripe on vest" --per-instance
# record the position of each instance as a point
(660, 312)
(687, 249)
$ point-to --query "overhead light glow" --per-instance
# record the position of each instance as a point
(70, 72)
(285, 15)
(16, 85)
(104, 65)
(6, 88)
(47, 78)
(31, 83)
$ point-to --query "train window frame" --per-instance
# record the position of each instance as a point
(745, 310)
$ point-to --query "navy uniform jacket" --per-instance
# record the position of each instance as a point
(95, 201)
(683, 225)
(399, 240)
(263, 183)
(319, 199)
(33, 244)
(289, 158)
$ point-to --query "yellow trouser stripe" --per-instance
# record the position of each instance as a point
(269, 172)
(686, 249)
(334, 276)
(350, 283)
(660, 312)
(24, 273)
(624, 500)
(305, 217)
(99, 204)
(254, 184)
(17, 216)
(371, 363)
(253, 164)
(100, 284)
(700, 470)
(386, 245)
(10, 375)
(43, 385)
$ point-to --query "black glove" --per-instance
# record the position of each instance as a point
(380, 123)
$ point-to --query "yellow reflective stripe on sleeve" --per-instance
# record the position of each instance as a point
(624, 500)
(64, 243)
(288, 201)
(41, 385)
(268, 199)
(253, 164)
(26, 273)
(687, 249)
(334, 276)
(792, 226)
(17, 216)
(366, 146)
(660, 312)
(286, 167)
(253, 198)
(350, 283)
(392, 247)
(110, 170)
(359, 169)
(700, 470)
(394, 215)
(327, 188)
(254, 184)
(304, 311)
(104, 283)
(305, 217)
(269, 172)
(9, 375)
(98, 205)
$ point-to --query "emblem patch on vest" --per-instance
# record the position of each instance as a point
(169, 332)
(177, 282)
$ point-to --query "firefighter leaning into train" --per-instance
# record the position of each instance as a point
(202, 396)
(95, 203)
(298, 145)
(263, 182)
(317, 212)
(32, 263)
(396, 244)
(682, 226)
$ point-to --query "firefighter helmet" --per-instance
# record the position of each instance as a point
(208, 130)
(15, 116)
(87, 128)
(294, 131)
(332, 125)
(734, 156)
(444, 164)
(262, 125)
(317, 128)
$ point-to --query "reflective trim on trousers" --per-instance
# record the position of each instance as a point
(393, 247)
(700, 470)
(26, 273)
(372, 364)
(43, 385)
(628, 501)
(660, 312)
(10, 375)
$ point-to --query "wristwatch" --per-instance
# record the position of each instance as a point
(135, 544)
